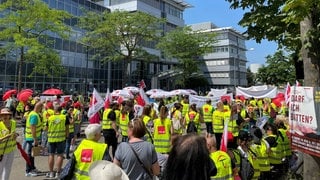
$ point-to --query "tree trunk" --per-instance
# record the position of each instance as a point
(311, 78)
(20, 68)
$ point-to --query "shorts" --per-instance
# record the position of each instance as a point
(56, 147)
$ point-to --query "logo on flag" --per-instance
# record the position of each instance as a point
(96, 103)
(142, 84)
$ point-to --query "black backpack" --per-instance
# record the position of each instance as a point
(192, 128)
(246, 168)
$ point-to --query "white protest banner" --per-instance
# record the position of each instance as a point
(303, 120)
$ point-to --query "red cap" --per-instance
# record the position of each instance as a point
(76, 105)
(49, 105)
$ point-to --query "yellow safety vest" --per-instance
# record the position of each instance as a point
(286, 142)
(222, 162)
(185, 108)
(161, 135)
(218, 121)
(276, 154)
(45, 116)
(124, 120)
(255, 161)
(232, 124)
(8, 145)
(106, 123)
(264, 162)
(57, 128)
(38, 126)
(207, 111)
(75, 114)
(148, 135)
(87, 152)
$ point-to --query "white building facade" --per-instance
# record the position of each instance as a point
(225, 66)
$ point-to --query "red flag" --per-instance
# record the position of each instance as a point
(140, 100)
(120, 100)
(297, 83)
(224, 139)
(108, 99)
(287, 93)
(142, 84)
(23, 154)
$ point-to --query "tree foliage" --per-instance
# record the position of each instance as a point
(121, 36)
(187, 47)
(25, 25)
(279, 70)
(250, 78)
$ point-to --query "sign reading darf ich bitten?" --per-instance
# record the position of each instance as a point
(304, 108)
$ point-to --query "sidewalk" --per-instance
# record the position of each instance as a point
(41, 162)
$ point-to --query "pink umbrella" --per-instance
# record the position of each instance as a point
(24, 95)
(52, 91)
(7, 94)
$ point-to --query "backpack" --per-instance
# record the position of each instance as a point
(246, 169)
(191, 128)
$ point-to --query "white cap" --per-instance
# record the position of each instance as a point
(106, 170)
(92, 130)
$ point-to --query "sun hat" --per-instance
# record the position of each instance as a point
(5, 111)
(106, 170)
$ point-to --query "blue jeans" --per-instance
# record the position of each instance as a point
(68, 143)
(28, 151)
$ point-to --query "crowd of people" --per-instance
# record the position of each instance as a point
(171, 142)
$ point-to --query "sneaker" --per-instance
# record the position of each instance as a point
(50, 175)
(57, 175)
(31, 174)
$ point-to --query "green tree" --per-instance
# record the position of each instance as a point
(121, 36)
(187, 47)
(294, 24)
(25, 25)
(250, 78)
(278, 70)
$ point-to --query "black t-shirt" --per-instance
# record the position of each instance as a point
(112, 116)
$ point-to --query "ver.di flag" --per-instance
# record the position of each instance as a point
(96, 103)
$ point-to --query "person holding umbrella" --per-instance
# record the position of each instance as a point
(7, 142)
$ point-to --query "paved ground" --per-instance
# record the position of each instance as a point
(19, 165)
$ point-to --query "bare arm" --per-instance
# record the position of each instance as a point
(155, 168)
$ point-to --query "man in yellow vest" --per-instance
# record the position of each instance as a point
(88, 151)
(218, 118)
(109, 127)
(221, 160)
(207, 111)
(33, 136)
(58, 130)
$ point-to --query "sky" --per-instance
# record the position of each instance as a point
(219, 13)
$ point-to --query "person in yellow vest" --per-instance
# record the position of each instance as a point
(88, 151)
(45, 116)
(193, 116)
(207, 111)
(33, 136)
(185, 105)
(148, 122)
(283, 129)
(275, 144)
(124, 120)
(58, 130)
(233, 126)
(109, 128)
(162, 131)
(69, 118)
(77, 119)
(221, 160)
(7, 142)
(218, 122)
(177, 119)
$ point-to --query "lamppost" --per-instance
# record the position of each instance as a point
(86, 74)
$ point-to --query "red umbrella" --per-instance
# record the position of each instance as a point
(52, 91)
(23, 154)
(7, 94)
(24, 95)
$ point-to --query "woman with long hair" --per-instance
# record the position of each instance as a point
(162, 131)
(137, 157)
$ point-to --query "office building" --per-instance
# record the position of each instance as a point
(225, 66)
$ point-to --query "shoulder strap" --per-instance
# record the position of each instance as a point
(141, 163)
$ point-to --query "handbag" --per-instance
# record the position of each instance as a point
(68, 169)
(141, 163)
